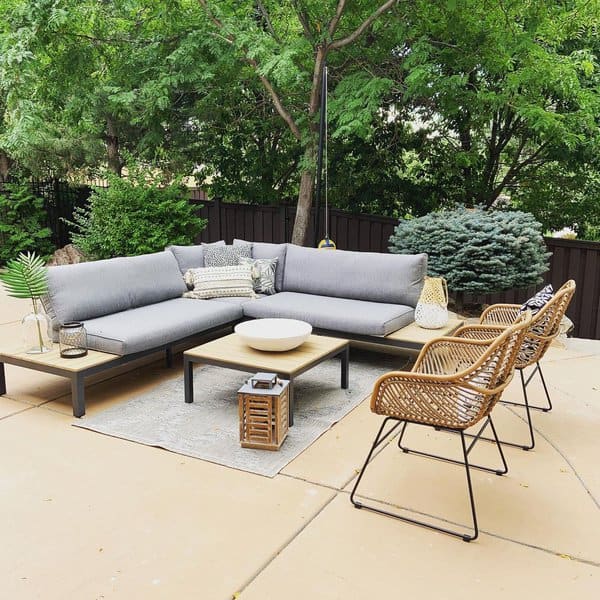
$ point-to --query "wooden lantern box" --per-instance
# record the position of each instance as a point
(263, 413)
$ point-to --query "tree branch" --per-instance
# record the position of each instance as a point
(303, 18)
(267, 19)
(341, 5)
(517, 167)
(283, 112)
(210, 14)
(340, 43)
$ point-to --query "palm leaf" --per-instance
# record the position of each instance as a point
(25, 277)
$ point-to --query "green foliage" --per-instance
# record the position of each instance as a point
(564, 195)
(134, 216)
(475, 250)
(437, 102)
(25, 277)
(22, 223)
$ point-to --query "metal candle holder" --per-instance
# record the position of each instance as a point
(72, 340)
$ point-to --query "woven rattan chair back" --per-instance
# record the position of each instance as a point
(455, 382)
(545, 325)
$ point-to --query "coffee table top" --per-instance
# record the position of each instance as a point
(230, 350)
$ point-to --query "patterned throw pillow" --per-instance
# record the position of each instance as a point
(263, 273)
(225, 256)
(221, 282)
(537, 302)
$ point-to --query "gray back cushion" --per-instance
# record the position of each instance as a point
(190, 257)
(268, 250)
(92, 289)
(391, 278)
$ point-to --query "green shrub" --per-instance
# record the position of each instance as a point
(133, 216)
(475, 250)
(23, 223)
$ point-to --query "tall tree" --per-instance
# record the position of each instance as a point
(502, 88)
(76, 75)
(287, 45)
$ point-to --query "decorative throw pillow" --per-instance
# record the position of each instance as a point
(263, 273)
(188, 278)
(221, 282)
(225, 256)
(537, 302)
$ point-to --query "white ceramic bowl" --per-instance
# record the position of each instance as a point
(273, 335)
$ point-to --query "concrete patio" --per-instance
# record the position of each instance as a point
(86, 516)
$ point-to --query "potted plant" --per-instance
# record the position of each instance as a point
(26, 277)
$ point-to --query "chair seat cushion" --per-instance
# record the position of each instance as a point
(335, 314)
(151, 326)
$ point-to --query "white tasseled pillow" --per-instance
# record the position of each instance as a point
(220, 282)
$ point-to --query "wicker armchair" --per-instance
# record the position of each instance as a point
(453, 385)
(544, 327)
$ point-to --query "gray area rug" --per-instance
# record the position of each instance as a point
(209, 428)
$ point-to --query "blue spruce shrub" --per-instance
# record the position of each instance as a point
(477, 251)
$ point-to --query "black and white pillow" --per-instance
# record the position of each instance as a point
(225, 256)
(263, 273)
(537, 302)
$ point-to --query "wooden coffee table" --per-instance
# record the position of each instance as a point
(230, 352)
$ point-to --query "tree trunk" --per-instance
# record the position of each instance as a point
(307, 177)
(5, 164)
(305, 196)
(112, 147)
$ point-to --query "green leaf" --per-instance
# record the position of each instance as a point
(25, 277)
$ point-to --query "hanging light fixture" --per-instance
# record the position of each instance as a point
(326, 243)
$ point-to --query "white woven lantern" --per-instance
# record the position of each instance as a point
(432, 309)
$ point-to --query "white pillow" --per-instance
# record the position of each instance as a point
(220, 282)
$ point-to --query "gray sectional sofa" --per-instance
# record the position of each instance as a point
(133, 306)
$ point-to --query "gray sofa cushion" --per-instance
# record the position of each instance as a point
(391, 278)
(190, 257)
(92, 289)
(336, 314)
(237, 300)
(150, 326)
(268, 250)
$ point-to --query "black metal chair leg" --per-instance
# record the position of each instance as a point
(528, 412)
(528, 408)
(401, 436)
(467, 538)
(378, 441)
(538, 369)
(499, 446)
(549, 407)
(476, 437)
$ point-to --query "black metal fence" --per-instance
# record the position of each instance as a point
(60, 199)
(368, 233)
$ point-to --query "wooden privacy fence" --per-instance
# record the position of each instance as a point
(226, 221)
(571, 259)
